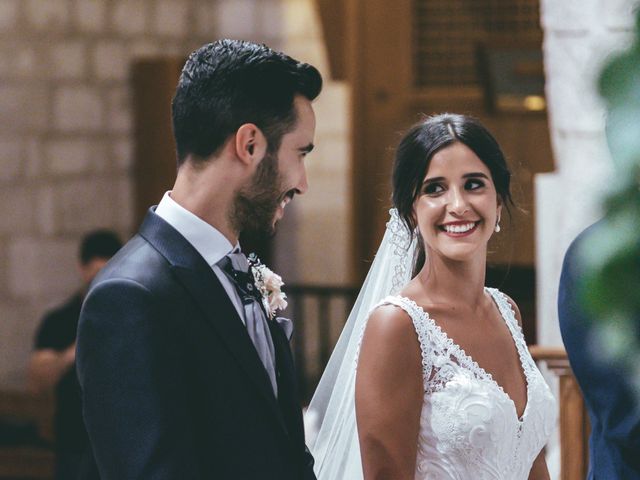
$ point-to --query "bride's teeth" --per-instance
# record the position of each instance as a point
(459, 228)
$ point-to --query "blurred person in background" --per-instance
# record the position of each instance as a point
(52, 364)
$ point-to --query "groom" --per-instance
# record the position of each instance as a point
(184, 373)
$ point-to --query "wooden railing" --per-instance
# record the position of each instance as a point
(574, 421)
(20, 457)
(318, 314)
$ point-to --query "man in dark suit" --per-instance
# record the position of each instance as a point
(614, 444)
(185, 372)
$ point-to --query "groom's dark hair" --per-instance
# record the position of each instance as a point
(228, 83)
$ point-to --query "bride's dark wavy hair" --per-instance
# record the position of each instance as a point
(421, 143)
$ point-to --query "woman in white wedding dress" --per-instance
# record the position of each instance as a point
(431, 378)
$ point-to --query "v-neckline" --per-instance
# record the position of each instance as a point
(462, 354)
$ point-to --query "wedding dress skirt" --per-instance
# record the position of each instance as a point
(469, 427)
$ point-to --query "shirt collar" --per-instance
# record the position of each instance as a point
(206, 239)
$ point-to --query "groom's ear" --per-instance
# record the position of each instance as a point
(250, 144)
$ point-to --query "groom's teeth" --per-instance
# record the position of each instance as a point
(459, 228)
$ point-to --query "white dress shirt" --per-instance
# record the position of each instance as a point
(207, 240)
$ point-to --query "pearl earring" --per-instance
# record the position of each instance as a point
(497, 229)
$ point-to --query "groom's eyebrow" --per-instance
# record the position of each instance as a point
(306, 148)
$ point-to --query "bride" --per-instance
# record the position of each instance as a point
(431, 377)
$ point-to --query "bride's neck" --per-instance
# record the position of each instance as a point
(454, 282)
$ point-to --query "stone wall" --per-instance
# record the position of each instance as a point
(579, 36)
(66, 138)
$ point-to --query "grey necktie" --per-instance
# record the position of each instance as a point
(236, 267)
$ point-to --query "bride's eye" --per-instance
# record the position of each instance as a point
(433, 189)
(473, 184)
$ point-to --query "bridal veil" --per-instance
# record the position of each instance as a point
(332, 412)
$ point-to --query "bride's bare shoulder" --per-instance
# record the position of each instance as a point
(389, 324)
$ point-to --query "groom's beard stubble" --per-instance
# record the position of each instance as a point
(255, 205)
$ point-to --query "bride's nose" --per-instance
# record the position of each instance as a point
(457, 202)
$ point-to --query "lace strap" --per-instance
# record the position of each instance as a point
(421, 325)
(509, 315)
(505, 309)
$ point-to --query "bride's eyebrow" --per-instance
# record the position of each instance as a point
(432, 180)
(475, 175)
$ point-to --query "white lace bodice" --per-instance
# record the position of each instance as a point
(469, 427)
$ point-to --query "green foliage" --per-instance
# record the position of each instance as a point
(611, 285)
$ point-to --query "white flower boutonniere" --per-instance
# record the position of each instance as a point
(269, 285)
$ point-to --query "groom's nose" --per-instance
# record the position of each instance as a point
(303, 184)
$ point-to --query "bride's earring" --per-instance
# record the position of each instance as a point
(497, 229)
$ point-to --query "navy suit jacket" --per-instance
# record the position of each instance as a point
(614, 444)
(172, 386)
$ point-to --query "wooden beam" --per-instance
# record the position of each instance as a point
(154, 83)
(379, 71)
(332, 17)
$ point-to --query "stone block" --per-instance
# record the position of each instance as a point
(19, 60)
(310, 50)
(322, 227)
(571, 16)
(46, 216)
(48, 14)
(585, 159)
(141, 48)
(124, 205)
(607, 44)
(327, 190)
(119, 110)
(129, 16)
(77, 108)
(4, 269)
(172, 49)
(26, 63)
(34, 157)
(11, 156)
(68, 60)
(171, 18)
(111, 61)
(571, 84)
(235, 19)
(205, 19)
(331, 156)
(122, 154)
(270, 25)
(332, 108)
(17, 207)
(69, 156)
(42, 266)
(16, 342)
(619, 14)
(87, 203)
(9, 10)
(23, 107)
(90, 15)
(301, 20)
(549, 255)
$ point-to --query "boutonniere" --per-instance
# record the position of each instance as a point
(269, 285)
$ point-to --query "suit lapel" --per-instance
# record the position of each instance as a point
(208, 293)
